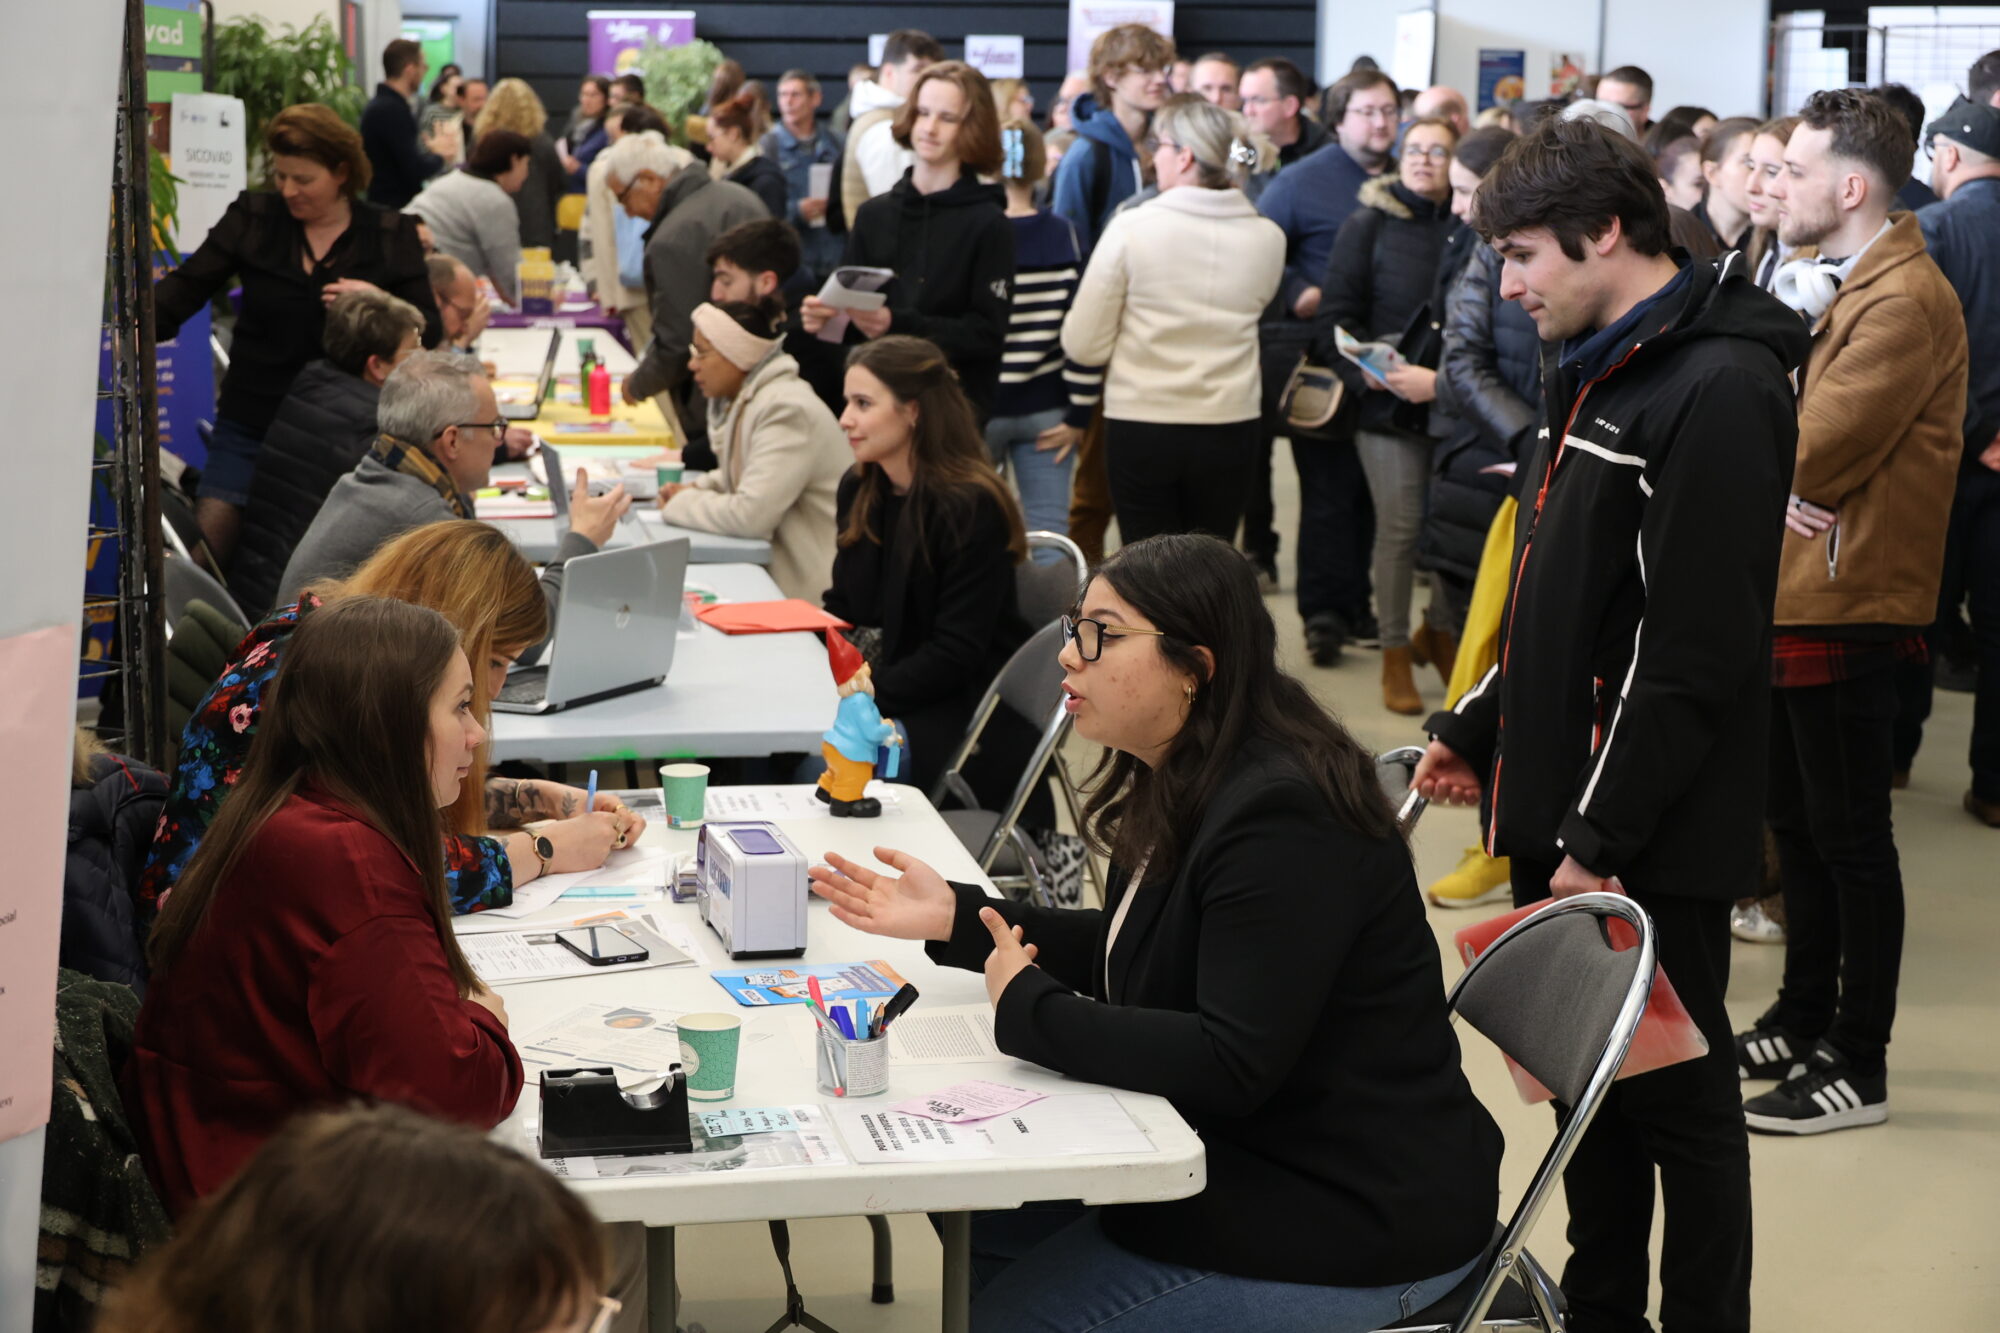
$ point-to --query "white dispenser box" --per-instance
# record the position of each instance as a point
(752, 886)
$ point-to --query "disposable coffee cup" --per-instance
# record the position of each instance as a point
(668, 474)
(684, 789)
(709, 1043)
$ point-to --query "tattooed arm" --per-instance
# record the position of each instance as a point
(512, 802)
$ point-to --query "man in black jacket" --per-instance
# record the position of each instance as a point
(389, 129)
(1620, 740)
(324, 426)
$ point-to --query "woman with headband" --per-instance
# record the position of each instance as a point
(779, 452)
(1171, 301)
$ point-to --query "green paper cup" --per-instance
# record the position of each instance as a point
(668, 474)
(684, 788)
(709, 1043)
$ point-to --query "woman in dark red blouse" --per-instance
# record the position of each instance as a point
(306, 957)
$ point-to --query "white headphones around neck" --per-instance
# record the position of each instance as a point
(1807, 286)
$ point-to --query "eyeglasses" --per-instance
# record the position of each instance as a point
(607, 1311)
(1388, 113)
(1168, 143)
(1437, 152)
(498, 426)
(1088, 635)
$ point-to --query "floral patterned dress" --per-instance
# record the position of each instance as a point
(213, 747)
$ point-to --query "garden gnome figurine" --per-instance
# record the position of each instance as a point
(858, 732)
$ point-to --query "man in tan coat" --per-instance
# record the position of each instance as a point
(1880, 409)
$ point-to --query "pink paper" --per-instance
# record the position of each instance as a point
(36, 716)
(977, 1099)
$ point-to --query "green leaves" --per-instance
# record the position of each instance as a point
(271, 72)
(677, 79)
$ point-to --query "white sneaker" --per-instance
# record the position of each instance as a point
(1751, 924)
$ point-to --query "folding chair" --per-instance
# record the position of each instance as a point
(1046, 591)
(1552, 993)
(183, 581)
(1031, 685)
(1396, 768)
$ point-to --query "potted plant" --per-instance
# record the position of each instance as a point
(677, 79)
(271, 70)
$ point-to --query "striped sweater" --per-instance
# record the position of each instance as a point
(1034, 377)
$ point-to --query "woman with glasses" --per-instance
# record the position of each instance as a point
(1169, 304)
(373, 1218)
(1262, 961)
(1379, 288)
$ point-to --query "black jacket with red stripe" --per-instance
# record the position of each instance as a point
(1625, 722)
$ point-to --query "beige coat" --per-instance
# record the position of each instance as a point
(1881, 418)
(1171, 301)
(779, 459)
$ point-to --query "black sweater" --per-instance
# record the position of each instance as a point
(1628, 730)
(1378, 282)
(765, 179)
(389, 136)
(1283, 991)
(259, 245)
(953, 254)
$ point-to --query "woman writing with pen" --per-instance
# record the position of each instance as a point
(1263, 962)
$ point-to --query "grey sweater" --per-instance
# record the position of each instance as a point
(474, 220)
(370, 505)
(694, 210)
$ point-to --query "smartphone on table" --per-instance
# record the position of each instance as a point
(601, 946)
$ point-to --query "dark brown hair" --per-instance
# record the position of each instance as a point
(1574, 177)
(1333, 102)
(371, 1218)
(950, 467)
(349, 711)
(906, 44)
(1631, 74)
(1127, 46)
(1716, 147)
(368, 323)
(637, 118)
(1290, 79)
(632, 84)
(1201, 593)
(494, 153)
(1481, 148)
(726, 83)
(764, 246)
(317, 133)
(399, 55)
(739, 113)
(978, 143)
(1866, 129)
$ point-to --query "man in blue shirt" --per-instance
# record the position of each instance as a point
(798, 144)
(1309, 200)
(1962, 233)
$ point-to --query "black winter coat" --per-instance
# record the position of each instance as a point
(1627, 731)
(1378, 287)
(1489, 390)
(539, 195)
(400, 162)
(953, 254)
(765, 179)
(111, 824)
(324, 426)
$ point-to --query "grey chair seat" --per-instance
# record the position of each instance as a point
(1511, 1304)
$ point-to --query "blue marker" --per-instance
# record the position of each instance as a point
(843, 1022)
(590, 793)
(861, 1020)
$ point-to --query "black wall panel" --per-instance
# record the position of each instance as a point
(546, 41)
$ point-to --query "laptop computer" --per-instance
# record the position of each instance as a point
(615, 629)
(529, 411)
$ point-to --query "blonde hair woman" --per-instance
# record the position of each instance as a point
(513, 105)
(1170, 302)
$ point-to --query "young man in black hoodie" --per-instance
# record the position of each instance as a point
(1620, 740)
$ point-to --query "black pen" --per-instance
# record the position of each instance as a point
(893, 1010)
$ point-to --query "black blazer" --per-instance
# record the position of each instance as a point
(1283, 991)
(389, 136)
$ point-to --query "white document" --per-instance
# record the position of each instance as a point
(788, 801)
(852, 287)
(952, 1035)
(632, 872)
(812, 1143)
(1083, 1125)
(819, 185)
(505, 957)
(637, 1042)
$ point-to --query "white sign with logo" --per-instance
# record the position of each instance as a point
(997, 57)
(876, 41)
(1089, 18)
(208, 156)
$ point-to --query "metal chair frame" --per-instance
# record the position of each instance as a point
(1065, 780)
(1406, 757)
(1509, 1255)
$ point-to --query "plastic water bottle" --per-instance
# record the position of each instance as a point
(600, 390)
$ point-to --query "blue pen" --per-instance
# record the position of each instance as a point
(590, 793)
(861, 1020)
(843, 1022)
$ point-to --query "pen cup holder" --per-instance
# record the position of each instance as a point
(852, 1068)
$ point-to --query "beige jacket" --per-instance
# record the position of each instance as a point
(1881, 418)
(1170, 302)
(779, 459)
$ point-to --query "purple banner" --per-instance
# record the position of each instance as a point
(618, 35)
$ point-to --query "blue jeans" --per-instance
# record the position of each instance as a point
(1064, 1275)
(232, 462)
(1042, 482)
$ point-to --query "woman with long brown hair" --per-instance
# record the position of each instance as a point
(355, 1221)
(1767, 159)
(929, 537)
(472, 575)
(307, 957)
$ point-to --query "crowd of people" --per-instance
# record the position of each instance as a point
(1674, 447)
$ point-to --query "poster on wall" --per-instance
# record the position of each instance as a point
(439, 38)
(997, 57)
(1415, 53)
(207, 153)
(1088, 18)
(618, 35)
(1565, 75)
(1503, 77)
(173, 48)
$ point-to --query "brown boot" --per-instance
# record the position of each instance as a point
(1399, 690)
(1986, 812)
(1431, 646)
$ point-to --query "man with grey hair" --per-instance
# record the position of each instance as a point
(798, 143)
(686, 211)
(439, 426)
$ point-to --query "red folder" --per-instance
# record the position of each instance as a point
(790, 615)
(1666, 1035)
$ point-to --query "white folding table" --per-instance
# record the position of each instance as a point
(537, 538)
(727, 695)
(774, 1069)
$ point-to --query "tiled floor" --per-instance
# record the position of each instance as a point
(1891, 1227)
